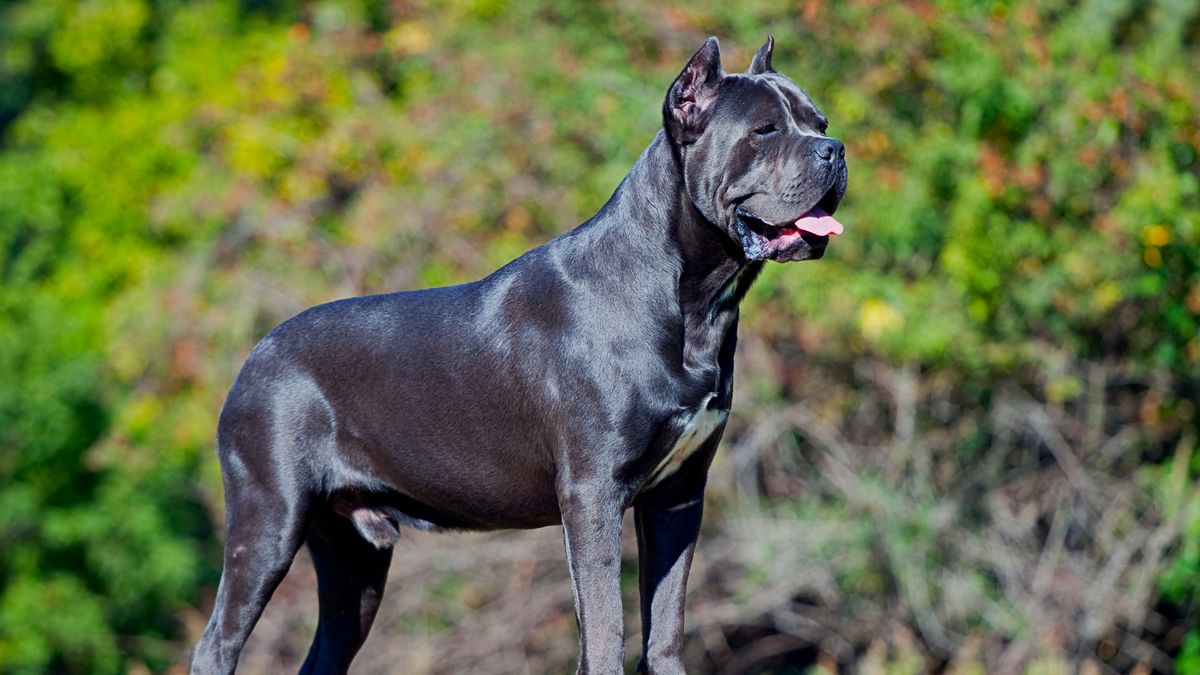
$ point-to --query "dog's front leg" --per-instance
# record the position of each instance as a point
(591, 515)
(668, 522)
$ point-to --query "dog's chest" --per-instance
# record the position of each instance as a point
(698, 428)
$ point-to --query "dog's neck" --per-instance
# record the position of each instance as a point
(651, 217)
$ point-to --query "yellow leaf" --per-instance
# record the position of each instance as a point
(411, 37)
(1159, 235)
(877, 318)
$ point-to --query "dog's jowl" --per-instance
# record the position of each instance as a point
(588, 376)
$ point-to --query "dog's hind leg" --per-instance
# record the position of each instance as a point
(351, 573)
(263, 533)
(271, 428)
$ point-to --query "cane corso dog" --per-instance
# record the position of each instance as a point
(588, 376)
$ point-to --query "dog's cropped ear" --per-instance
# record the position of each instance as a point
(761, 63)
(690, 98)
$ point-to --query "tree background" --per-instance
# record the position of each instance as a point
(964, 441)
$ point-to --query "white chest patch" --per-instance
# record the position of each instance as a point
(698, 430)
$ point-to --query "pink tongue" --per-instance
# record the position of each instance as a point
(818, 222)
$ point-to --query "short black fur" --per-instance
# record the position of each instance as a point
(589, 375)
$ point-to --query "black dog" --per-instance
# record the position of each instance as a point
(587, 376)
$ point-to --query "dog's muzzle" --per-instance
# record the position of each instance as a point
(801, 238)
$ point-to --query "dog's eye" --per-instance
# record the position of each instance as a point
(766, 130)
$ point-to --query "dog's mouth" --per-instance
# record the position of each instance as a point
(802, 238)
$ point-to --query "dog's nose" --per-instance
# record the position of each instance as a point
(830, 149)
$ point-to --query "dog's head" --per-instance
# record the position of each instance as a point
(756, 160)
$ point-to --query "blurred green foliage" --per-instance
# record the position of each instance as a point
(177, 177)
